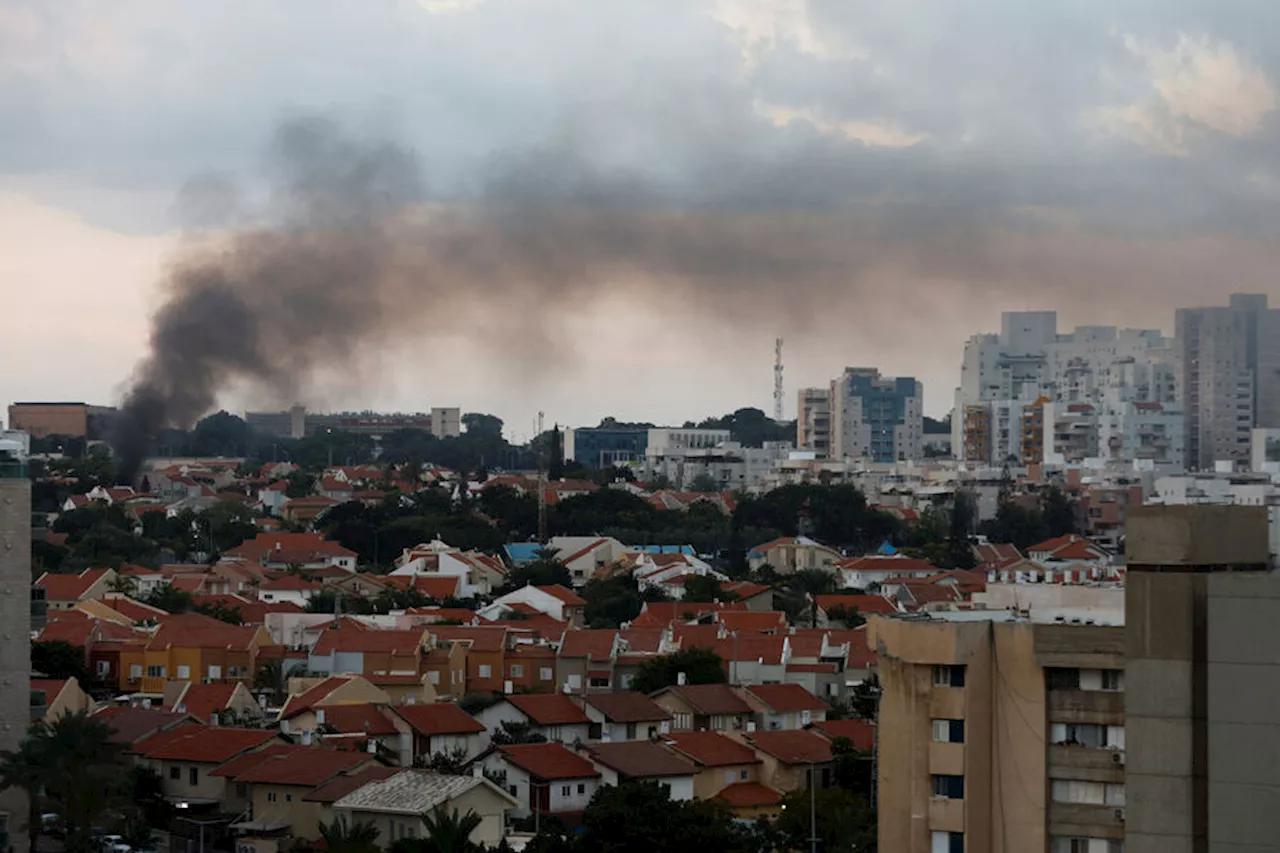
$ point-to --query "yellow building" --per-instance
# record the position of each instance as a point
(193, 647)
(1000, 733)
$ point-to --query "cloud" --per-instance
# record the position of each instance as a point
(444, 7)
(762, 26)
(1200, 85)
(873, 133)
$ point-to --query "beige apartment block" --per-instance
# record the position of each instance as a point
(1001, 732)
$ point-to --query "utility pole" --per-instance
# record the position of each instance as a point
(813, 810)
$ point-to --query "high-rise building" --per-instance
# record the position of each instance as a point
(74, 420)
(1202, 625)
(15, 632)
(1216, 382)
(876, 418)
(813, 420)
(1002, 731)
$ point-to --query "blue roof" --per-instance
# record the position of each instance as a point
(687, 550)
(522, 552)
(886, 550)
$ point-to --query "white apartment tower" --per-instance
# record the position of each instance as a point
(876, 418)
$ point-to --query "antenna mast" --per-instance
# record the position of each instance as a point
(777, 380)
(542, 486)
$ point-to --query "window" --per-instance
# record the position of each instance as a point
(1114, 795)
(193, 775)
(945, 675)
(175, 773)
(1062, 844)
(742, 774)
(288, 798)
(574, 681)
(517, 670)
(948, 787)
(728, 777)
(214, 672)
(237, 672)
(104, 667)
(948, 731)
(947, 842)
(1087, 735)
(1073, 791)
(486, 671)
(242, 790)
(566, 790)
(1113, 680)
(154, 671)
(545, 674)
(718, 722)
(135, 671)
(582, 789)
(184, 671)
(1063, 679)
(433, 677)
(271, 796)
(682, 720)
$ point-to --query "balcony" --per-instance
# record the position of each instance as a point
(13, 469)
(1087, 763)
(946, 758)
(1086, 706)
(946, 815)
(1095, 821)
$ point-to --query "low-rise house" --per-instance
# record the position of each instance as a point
(345, 783)
(861, 573)
(784, 706)
(441, 729)
(130, 725)
(217, 704)
(585, 660)
(788, 757)
(445, 668)
(755, 596)
(62, 696)
(279, 781)
(194, 647)
(477, 573)
(625, 715)
(768, 622)
(848, 611)
(486, 650)
(65, 591)
(395, 805)
(553, 715)
(1072, 550)
(704, 707)
(531, 667)
(547, 778)
(585, 556)
(305, 510)
(792, 554)
(297, 550)
(309, 695)
(186, 756)
(555, 601)
(720, 761)
(364, 727)
(369, 652)
(644, 761)
(289, 589)
(662, 614)
(861, 734)
(135, 611)
(753, 658)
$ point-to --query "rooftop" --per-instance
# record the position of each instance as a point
(549, 761)
(640, 759)
(712, 749)
(627, 706)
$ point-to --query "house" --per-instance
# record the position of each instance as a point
(61, 696)
(1071, 550)
(547, 778)
(704, 707)
(478, 573)
(435, 587)
(644, 761)
(555, 601)
(793, 554)
(194, 647)
(304, 510)
(995, 555)
(850, 608)
(486, 654)
(585, 660)
(359, 584)
(212, 703)
(784, 706)
(752, 621)
(441, 728)
(300, 550)
(279, 780)
(788, 757)
(63, 592)
(754, 596)
(135, 611)
(862, 572)
(364, 727)
(345, 783)
(186, 756)
(299, 713)
(584, 556)
(130, 725)
(531, 667)
(720, 761)
(368, 652)
(861, 734)
(625, 715)
(751, 658)
(553, 715)
(661, 614)
(751, 800)
(445, 668)
(289, 589)
(819, 657)
(395, 805)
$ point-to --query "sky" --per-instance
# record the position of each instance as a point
(683, 180)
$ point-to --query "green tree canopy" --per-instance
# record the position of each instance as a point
(60, 659)
(700, 666)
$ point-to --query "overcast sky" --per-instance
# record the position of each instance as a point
(874, 181)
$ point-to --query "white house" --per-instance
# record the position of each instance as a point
(547, 777)
(644, 761)
(478, 574)
(290, 589)
(583, 556)
(553, 715)
(557, 602)
(396, 805)
(625, 715)
(862, 572)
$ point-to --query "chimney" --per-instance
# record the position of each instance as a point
(372, 747)
(682, 679)
(306, 737)
(320, 716)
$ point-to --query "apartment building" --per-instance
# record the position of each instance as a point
(1001, 732)
(813, 420)
(876, 418)
(1216, 381)
(15, 630)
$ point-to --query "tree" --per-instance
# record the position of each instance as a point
(611, 601)
(357, 837)
(546, 570)
(445, 830)
(1058, 513)
(60, 659)
(959, 547)
(222, 612)
(450, 763)
(512, 733)
(802, 589)
(168, 598)
(700, 666)
(865, 700)
(848, 617)
(845, 822)
(701, 588)
(482, 425)
(25, 768)
(704, 482)
(273, 678)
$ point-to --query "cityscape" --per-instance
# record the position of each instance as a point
(537, 426)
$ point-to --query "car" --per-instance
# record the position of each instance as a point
(113, 844)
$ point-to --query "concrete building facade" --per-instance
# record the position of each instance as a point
(813, 420)
(876, 418)
(15, 635)
(1216, 383)
(76, 420)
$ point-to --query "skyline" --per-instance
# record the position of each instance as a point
(1109, 164)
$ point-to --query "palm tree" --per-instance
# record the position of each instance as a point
(25, 768)
(449, 832)
(357, 837)
(273, 677)
(810, 583)
(123, 584)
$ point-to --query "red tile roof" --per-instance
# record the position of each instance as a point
(696, 636)
(860, 603)
(135, 610)
(786, 698)
(748, 794)
(290, 583)
(50, 687)
(361, 718)
(752, 647)
(307, 766)
(709, 698)
(889, 565)
(130, 725)
(548, 709)
(203, 744)
(640, 759)
(439, 718)
(196, 631)
(289, 548)
(549, 761)
(752, 620)
(745, 589)
(625, 706)
(379, 640)
(242, 763)
(792, 747)
(593, 645)
(638, 640)
(483, 639)
(311, 698)
(660, 614)
(202, 700)
(861, 733)
(712, 749)
(566, 595)
(69, 587)
(339, 786)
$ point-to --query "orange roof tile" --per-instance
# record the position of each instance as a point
(712, 749)
(378, 640)
(362, 718)
(786, 698)
(748, 794)
(439, 718)
(549, 761)
(309, 699)
(861, 733)
(203, 700)
(58, 587)
(709, 698)
(483, 639)
(792, 747)
(307, 766)
(640, 759)
(752, 620)
(548, 709)
(626, 706)
(196, 631)
(339, 786)
(203, 744)
(593, 645)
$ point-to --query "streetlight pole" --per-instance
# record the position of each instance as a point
(813, 810)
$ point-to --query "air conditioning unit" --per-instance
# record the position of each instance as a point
(1120, 815)
(1118, 758)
